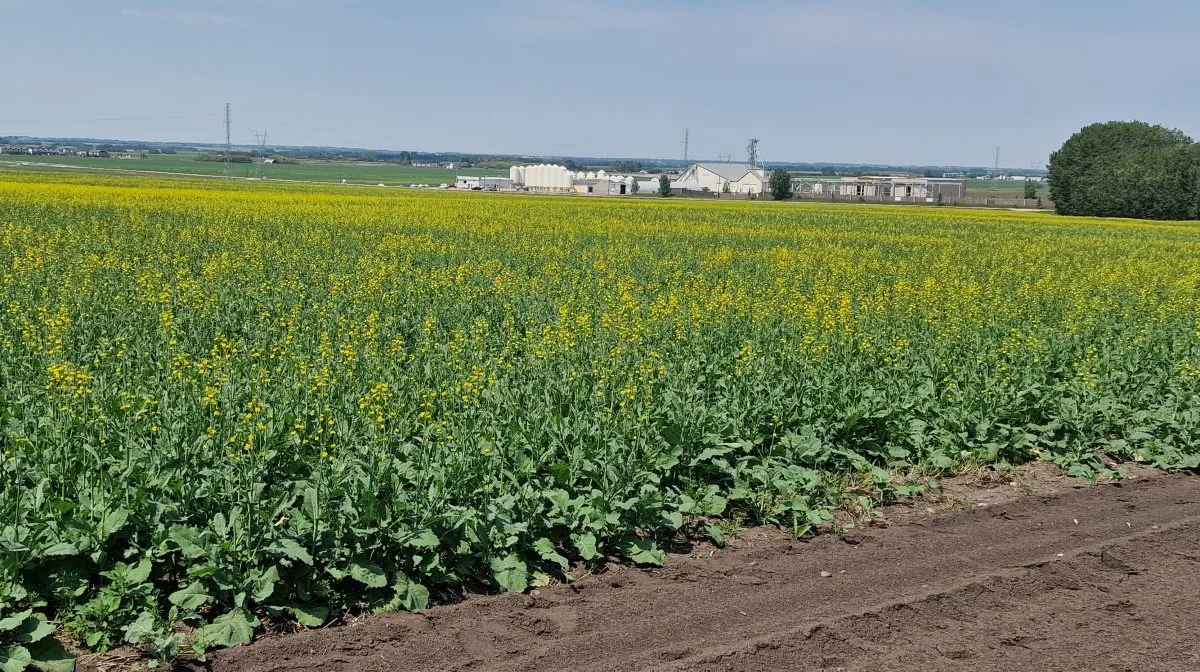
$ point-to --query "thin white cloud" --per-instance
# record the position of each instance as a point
(192, 16)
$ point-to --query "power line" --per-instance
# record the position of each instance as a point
(226, 169)
(74, 121)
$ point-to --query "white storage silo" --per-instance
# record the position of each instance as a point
(590, 176)
(600, 175)
(514, 174)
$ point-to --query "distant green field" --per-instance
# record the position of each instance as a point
(1001, 189)
(353, 172)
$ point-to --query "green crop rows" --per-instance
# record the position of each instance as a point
(219, 406)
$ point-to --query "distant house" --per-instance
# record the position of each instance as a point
(742, 178)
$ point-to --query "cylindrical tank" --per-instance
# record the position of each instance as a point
(521, 174)
(600, 175)
(514, 174)
(564, 178)
(591, 176)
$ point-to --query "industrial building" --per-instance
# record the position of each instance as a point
(737, 178)
(553, 179)
(488, 183)
(880, 186)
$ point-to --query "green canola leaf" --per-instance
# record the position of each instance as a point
(191, 597)
(642, 552)
(545, 548)
(293, 550)
(585, 544)
(50, 656)
(511, 573)
(15, 659)
(33, 630)
(309, 616)
(410, 594)
(233, 629)
(60, 550)
(14, 622)
(188, 541)
(368, 574)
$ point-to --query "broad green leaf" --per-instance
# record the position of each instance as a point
(308, 616)
(411, 595)
(188, 541)
(424, 539)
(233, 629)
(585, 544)
(263, 585)
(141, 630)
(295, 551)
(545, 548)
(717, 536)
(33, 630)
(50, 656)
(15, 659)
(191, 597)
(713, 505)
(672, 519)
(61, 549)
(642, 552)
(114, 521)
(15, 621)
(140, 572)
(368, 574)
(511, 573)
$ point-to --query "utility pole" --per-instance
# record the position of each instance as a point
(261, 139)
(996, 170)
(226, 169)
(685, 144)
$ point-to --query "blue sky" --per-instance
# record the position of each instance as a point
(899, 81)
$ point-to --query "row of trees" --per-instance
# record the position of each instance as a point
(1127, 169)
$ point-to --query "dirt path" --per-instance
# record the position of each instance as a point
(1099, 578)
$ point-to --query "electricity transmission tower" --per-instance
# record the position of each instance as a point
(261, 138)
(996, 169)
(226, 168)
(752, 152)
(685, 144)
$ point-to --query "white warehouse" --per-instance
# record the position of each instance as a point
(740, 178)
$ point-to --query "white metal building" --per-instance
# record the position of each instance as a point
(742, 178)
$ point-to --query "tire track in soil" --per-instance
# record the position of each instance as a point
(1096, 578)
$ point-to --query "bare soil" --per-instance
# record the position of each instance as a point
(1031, 571)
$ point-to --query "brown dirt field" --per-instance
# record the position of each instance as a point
(1036, 573)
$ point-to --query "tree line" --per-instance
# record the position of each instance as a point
(1127, 169)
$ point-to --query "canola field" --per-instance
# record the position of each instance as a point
(222, 405)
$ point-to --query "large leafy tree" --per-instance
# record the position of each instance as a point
(1127, 169)
(780, 184)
